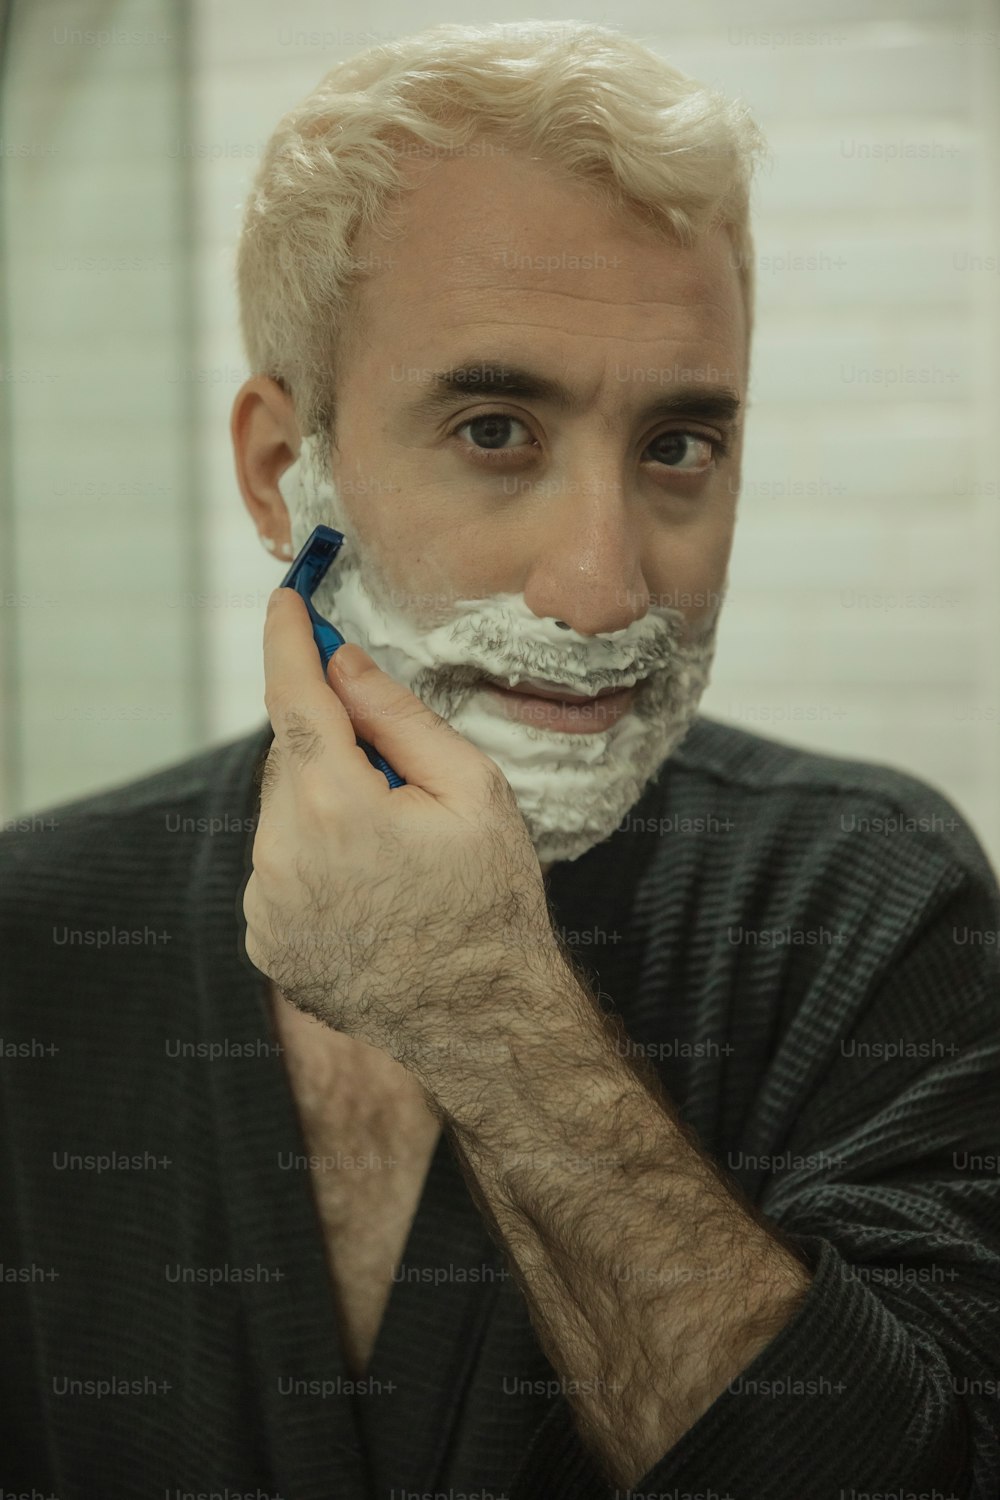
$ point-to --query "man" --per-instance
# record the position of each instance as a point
(601, 1110)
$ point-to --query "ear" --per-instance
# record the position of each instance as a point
(266, 440)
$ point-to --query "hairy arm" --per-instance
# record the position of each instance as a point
(649, 1284)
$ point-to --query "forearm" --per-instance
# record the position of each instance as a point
(649, 1285)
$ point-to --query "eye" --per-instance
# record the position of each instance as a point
(688, 452)
(491, 425)
(683, 452)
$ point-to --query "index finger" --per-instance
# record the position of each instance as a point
(308, 719)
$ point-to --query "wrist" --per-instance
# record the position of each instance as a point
(541, 1064)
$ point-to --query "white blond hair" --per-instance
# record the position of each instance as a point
(656, 148)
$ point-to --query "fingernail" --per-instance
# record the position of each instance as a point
(351, 660)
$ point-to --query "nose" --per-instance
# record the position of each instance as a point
(587, 568)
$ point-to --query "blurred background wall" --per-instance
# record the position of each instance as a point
(102, 528)
(864, 610)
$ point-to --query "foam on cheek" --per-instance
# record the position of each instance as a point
(572, 789)
(487, 631)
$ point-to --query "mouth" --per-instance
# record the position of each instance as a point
(548, 705)
(534, 687)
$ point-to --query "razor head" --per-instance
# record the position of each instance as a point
(306, 574)
(310, 567)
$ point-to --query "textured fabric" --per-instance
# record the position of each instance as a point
(807, 950)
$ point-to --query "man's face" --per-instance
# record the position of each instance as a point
(536, 469)
(592, 509)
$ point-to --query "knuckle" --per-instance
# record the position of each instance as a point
(303, 741)
(297, 729)
(323, 799)
(265, 866)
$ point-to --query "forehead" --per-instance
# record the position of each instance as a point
(499, 240)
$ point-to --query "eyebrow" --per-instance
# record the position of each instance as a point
(491, 377)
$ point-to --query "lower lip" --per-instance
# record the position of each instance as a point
(589, 717)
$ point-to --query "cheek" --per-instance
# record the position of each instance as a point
(414, 559)
(415, 542)
(374, 512)
(380, 499)
(689, 571)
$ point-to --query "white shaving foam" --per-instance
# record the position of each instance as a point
(573, 790)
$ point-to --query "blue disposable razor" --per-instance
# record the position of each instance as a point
(306, 573)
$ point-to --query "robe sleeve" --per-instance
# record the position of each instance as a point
(885, 1383)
